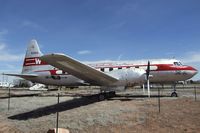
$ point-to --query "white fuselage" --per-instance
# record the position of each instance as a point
(128, 72)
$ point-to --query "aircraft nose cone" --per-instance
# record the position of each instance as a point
(193, 71)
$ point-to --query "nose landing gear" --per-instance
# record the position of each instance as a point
(174, 94)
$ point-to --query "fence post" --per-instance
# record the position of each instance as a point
(57, 114)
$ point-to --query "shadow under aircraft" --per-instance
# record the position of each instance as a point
(71, 104)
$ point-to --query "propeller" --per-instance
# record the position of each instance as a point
(147, 77)
(148, 70)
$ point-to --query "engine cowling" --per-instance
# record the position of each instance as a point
(129, 76)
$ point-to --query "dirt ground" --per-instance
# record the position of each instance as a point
(128, 112)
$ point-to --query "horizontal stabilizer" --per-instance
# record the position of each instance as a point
(21, 75)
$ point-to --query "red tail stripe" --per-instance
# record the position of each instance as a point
(34, 61)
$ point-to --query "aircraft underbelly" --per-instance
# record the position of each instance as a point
(168, 76)
(68, 80)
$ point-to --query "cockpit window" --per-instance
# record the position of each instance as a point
(177, 63)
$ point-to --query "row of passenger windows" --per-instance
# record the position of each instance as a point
(111, 68)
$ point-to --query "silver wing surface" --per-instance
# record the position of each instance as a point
(78, 69)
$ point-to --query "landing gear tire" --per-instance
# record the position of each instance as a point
(111, 94)
(174, 94)
(102, 97)
(106, 95)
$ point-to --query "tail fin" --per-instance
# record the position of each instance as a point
(33, 50)
(32, 61)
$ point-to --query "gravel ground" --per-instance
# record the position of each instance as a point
(130, 112)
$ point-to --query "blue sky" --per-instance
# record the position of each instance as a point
(101, 29)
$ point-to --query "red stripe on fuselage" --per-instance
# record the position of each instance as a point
(160, 67)
(34, 61)
(164, 67)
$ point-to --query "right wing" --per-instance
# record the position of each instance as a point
(78, 69)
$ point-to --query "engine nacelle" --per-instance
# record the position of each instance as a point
(129, 76)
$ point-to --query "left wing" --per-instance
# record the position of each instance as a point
(78, 69)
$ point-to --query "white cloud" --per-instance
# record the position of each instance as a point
(117, 25)
(3, 33)
(119, 57)
(5, 56)
(84, 52)
(192, 57)
(32, 24)
(2, 46)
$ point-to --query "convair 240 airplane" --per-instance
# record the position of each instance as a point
(62, 70)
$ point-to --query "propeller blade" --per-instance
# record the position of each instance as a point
(148, 70)
(147, 75)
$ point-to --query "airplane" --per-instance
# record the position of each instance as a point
(62, 70)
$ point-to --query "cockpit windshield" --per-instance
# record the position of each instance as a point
(177, 63)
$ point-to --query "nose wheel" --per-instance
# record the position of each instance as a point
(102, 96)
(174, 94)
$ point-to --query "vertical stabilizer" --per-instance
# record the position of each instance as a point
(33, 50)
(32, 62)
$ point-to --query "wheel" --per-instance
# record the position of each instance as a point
(101, 97)
(174, 94)
(112, 94)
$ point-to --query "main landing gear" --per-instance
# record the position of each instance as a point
(106, 95)
(174, 94)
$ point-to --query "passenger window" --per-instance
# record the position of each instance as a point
(177, 64)
(110, 69)
(136, 66)
(119, 68)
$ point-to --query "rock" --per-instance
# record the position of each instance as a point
(60, 130)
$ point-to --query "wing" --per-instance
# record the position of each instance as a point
(21, 75)
(78, 69)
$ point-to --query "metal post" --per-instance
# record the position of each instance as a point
(143, 87)
(9, 98)
(3, 79)
(195, 93)
(148, 88)
(57, 115)
(159, 99)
